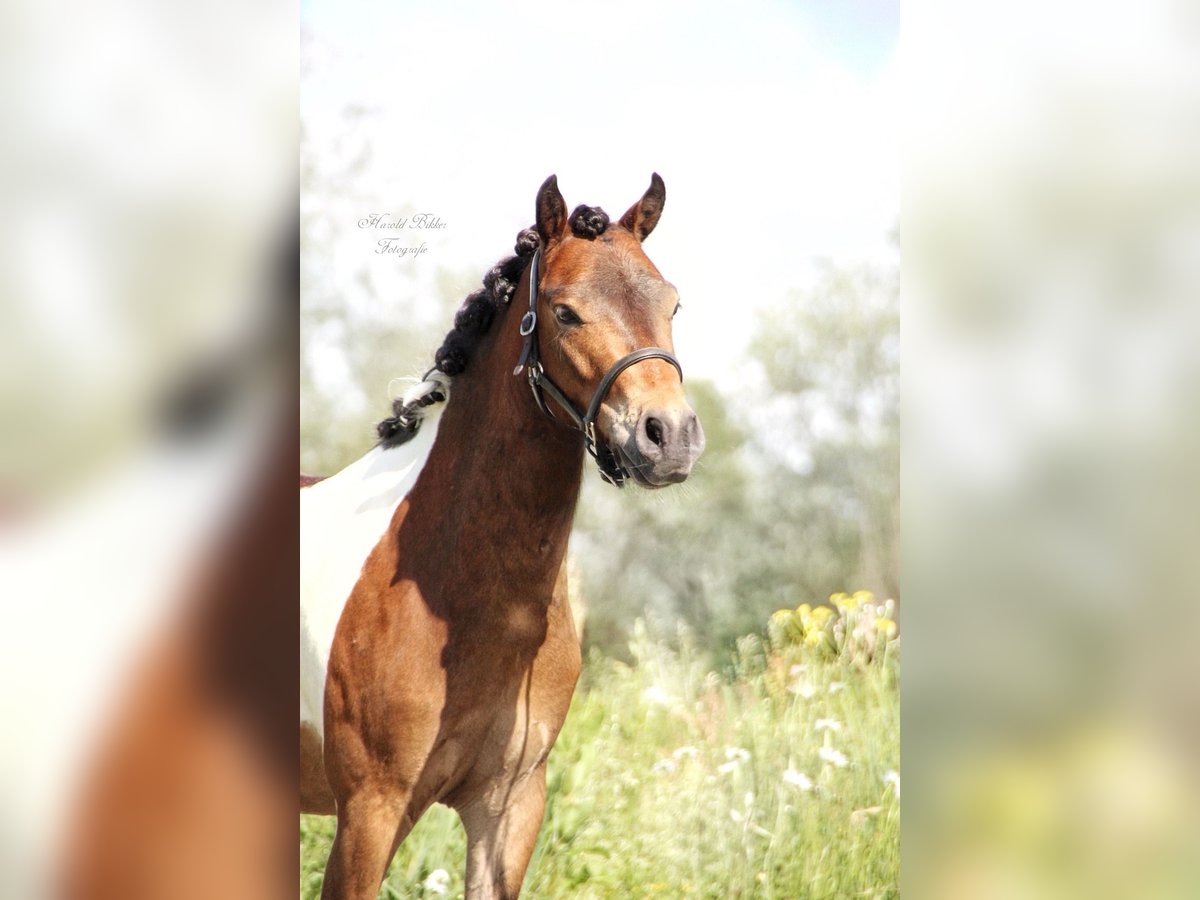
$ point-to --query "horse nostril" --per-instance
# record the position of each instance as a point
(654, 431)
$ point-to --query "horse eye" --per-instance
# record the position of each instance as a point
(566, 316)
(678, 307)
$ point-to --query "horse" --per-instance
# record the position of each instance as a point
(438, 652)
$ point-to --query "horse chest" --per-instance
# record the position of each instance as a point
(341, 521)
(502, 718)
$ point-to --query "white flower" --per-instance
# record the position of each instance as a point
(832, 756)
(835, 686)
(685, 751)
(438, 881)
(892, 777)
(803, 688)
(827, 724)
(748, 799)
(798, 779)
(663, 765)
(726, 768)
(737, 753)
(656, 696)
(735, 815)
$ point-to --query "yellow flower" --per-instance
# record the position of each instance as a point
(861, 597)
(784, 626)
(886, 625)
(821, 615)
(845, 602)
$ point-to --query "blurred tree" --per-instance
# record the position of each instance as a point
(827, 441)
(672, 555)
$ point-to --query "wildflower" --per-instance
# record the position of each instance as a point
(664, 765)
(887, 626)
(827, 725)
(784, 626)
(748, 799)
(656, 696)
(892, 777)
(836, 757)
(803, 688)
(797, 779)
(863, 597)
(736, 816)
(844, 602)
(737, 753)
(726, 768)
(438, 882)
(835, 686)
(685, 751)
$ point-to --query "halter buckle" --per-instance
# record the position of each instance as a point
(528, 323)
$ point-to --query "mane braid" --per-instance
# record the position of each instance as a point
(471, 323)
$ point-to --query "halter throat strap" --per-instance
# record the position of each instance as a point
(611, 468)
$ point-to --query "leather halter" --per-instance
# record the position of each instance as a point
(611, 468)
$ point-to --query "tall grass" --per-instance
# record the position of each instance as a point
(773, 777)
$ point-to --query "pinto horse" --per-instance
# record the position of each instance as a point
(438, 653)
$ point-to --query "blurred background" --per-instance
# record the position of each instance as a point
(148, 271)
(1051, 236)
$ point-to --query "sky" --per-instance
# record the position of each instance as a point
(774, 129)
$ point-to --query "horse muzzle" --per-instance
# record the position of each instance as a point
(663, 446)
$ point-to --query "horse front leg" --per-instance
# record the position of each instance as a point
(371, 824)
(500, 841)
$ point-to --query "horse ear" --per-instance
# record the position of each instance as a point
(643, 215)
(551, 212)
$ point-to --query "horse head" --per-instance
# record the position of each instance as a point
(600, 333)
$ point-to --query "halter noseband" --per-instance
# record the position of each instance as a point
(611, 469)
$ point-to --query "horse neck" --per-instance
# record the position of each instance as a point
(510, 471)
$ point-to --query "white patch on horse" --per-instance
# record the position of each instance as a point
(341, 520)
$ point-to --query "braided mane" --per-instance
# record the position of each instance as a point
(471, 323)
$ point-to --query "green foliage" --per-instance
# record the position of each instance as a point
(775, 778)
(826, 439)
(670, 556)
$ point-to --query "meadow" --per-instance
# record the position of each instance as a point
(772, 772)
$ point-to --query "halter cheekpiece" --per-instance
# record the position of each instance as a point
(611, 468)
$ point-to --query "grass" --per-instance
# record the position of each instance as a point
(768, 778)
